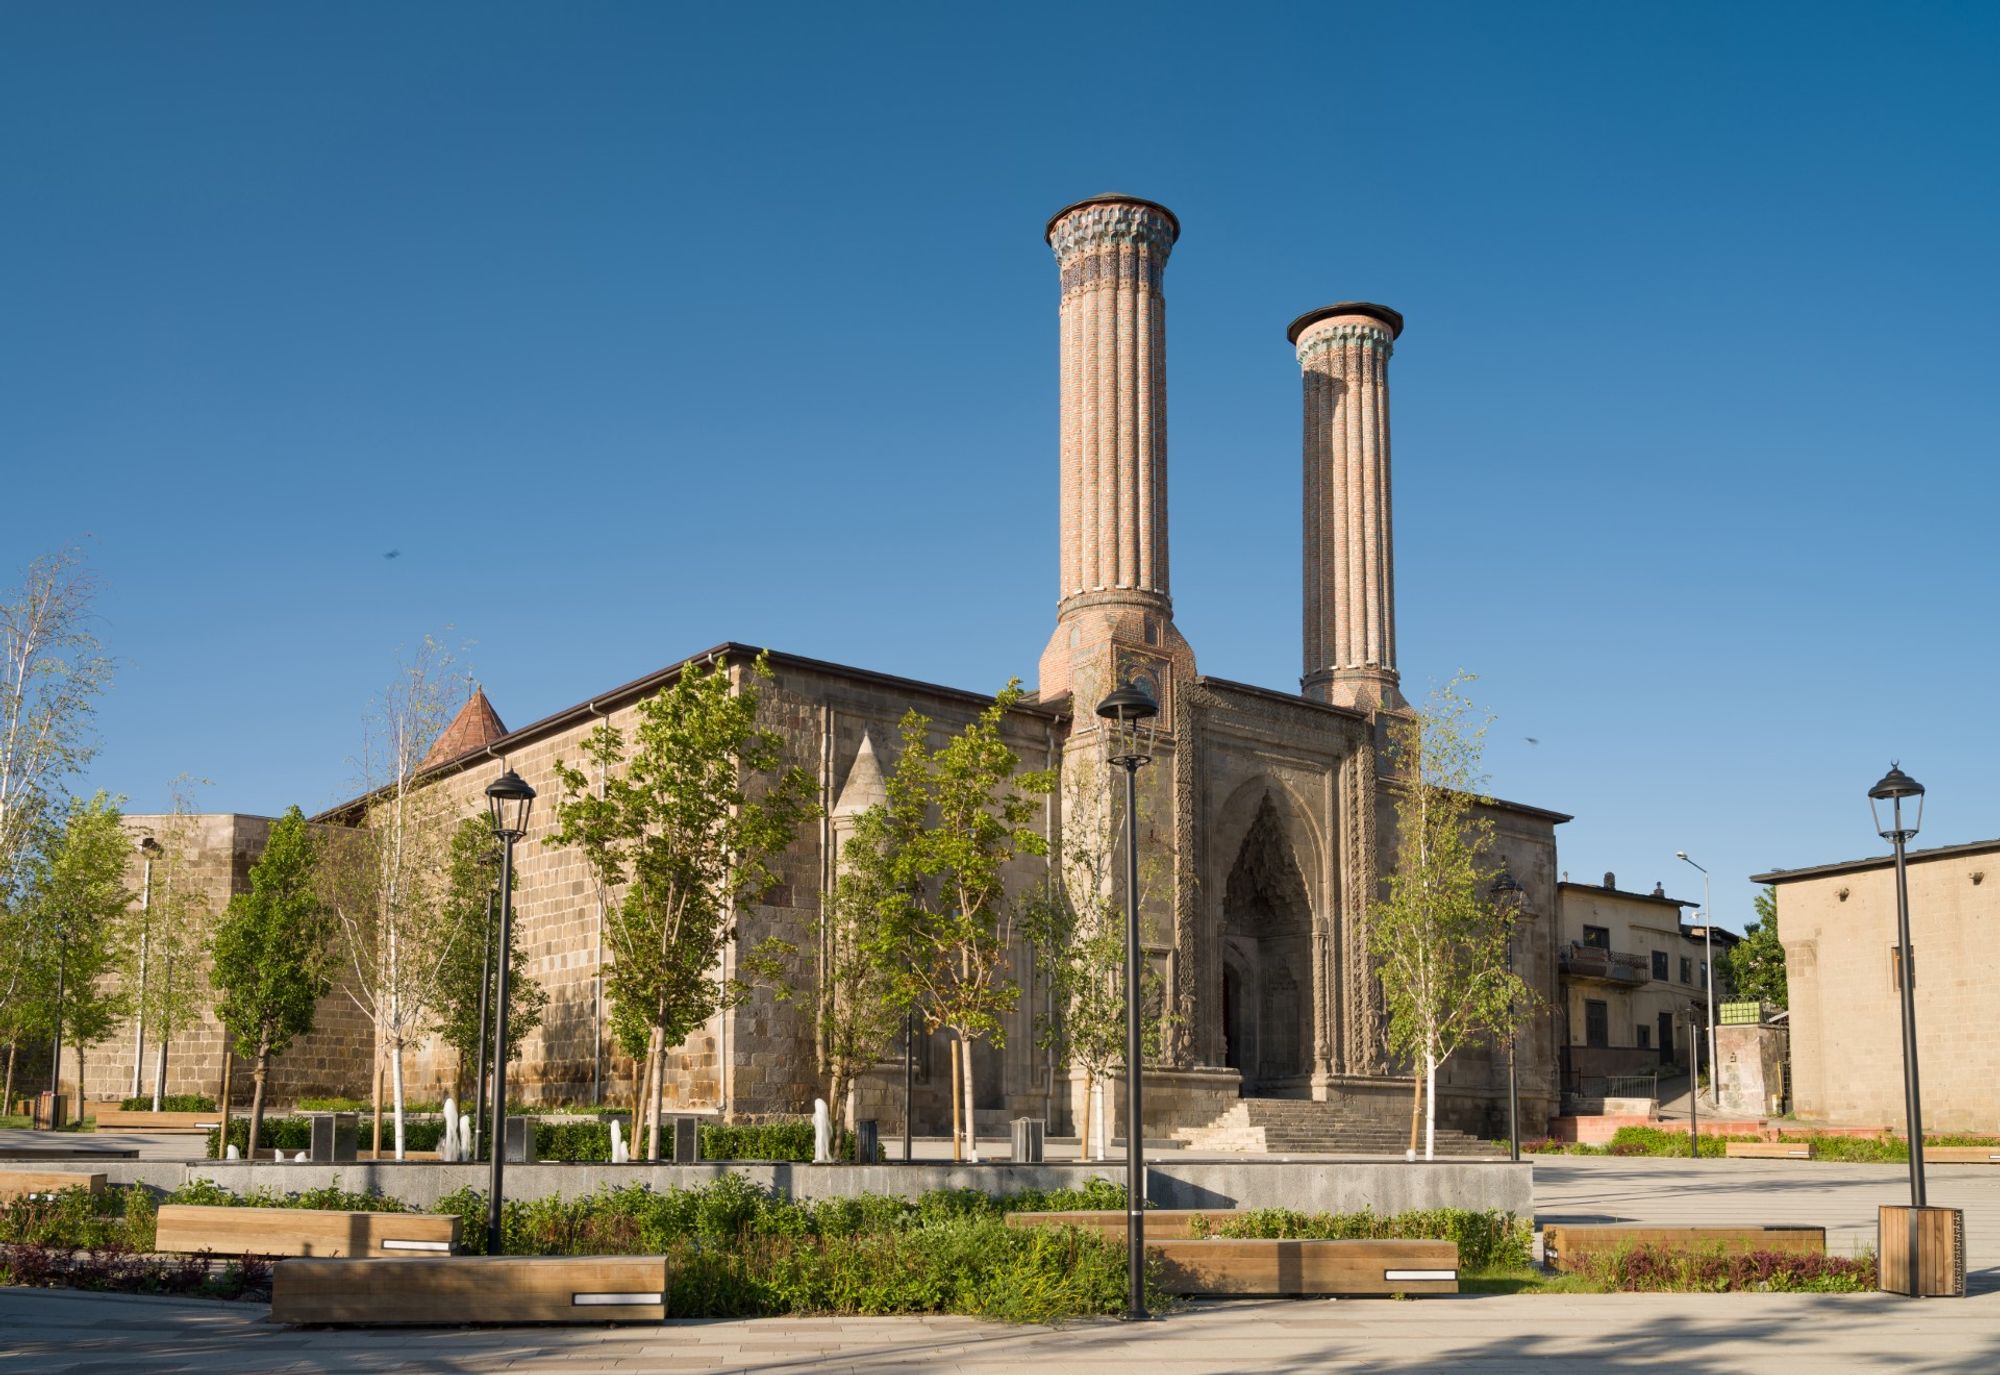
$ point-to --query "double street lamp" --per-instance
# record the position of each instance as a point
(1131, 716)
(1896, 788)
(509, 799)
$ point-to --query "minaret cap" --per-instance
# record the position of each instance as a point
(1111, 198)
(1392, 318)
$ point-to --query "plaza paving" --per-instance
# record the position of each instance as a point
(1708, 1334)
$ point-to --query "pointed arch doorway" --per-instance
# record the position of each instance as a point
(1267, 962)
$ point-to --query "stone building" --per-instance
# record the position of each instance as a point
(1631, 969)
(1838, 925)
(1268, 808)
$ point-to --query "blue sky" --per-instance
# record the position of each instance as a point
(639, 327)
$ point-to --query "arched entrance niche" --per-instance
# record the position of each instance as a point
(1267, 957)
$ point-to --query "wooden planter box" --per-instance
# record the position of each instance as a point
(118, 1119)
(1940, 1257)
(1962, 1155)
(1243, 1268)
(1565, 1245)
(22, 1183)
(303, 1232)
(471, 1289)
(1768, 1150)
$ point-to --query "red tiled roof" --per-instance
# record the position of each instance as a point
(475, 727)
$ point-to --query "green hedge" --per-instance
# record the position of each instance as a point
(1487, 1239)
(173, 1102)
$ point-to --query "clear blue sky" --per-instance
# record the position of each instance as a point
(639, 327)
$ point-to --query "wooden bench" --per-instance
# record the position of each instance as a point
(303, 1232)
(471, 1289)
(118, 1119)
(1243, 1267)
(31, 1183)
(1768, 1150)
(1162, 1224)
(1962, 1155)
(1565, 1245)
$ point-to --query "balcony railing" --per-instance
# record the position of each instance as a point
(1612, 966)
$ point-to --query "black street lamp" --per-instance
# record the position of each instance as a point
(1899, 831)
(1506, 894)
(489, 860)
(1131, 716)
(509, 799)
(1694, 1022)
(55, 1065)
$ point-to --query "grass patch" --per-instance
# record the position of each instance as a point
(172, 1102)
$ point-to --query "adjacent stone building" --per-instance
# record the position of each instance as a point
(1838, 925)
(1268, 809)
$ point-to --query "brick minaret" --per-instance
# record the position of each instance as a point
(1350, 562)
(1114, 588)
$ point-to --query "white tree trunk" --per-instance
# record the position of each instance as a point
(1430, 1104)
(971, 1127)
(159, 1075)
(396, 1078)
(1099, 1134)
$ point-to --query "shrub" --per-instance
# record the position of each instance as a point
(330, 1196)
(1650, 1268)
(1487, 1239)
(1665, 1141)
(71, 1218)
(788, 1139)
(293, 1134)
(173, 1102)
(119, 1269)
(572, 1141)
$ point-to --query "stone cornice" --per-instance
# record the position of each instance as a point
(1326, 339)
(1094, 227)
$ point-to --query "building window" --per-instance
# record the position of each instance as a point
(1687, 971)
(1597, 937)
(1659, 964)
(1596, 1023)
(1644, 1033)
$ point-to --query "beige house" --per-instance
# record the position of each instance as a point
(1838, 924)
(1631, 970)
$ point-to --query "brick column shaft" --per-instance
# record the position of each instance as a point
(1350, 568)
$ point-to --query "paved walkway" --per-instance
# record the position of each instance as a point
(1706, 1334)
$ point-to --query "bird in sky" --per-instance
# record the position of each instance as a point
(1531, 740)
(393, 554)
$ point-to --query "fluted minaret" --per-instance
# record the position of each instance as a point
(1114, 589)
(1350, 561)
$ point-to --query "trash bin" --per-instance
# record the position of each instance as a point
(1028, 1133)
(867, 1142)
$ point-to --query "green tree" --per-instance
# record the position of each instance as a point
(955, 817)
(79, 904)
(1077, 930)
(472, 882)
(1441, 946)
(1757, 963)
(680, 828)
(273, 955)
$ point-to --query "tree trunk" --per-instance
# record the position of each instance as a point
(7, 1096)
(957, 1153)
(1430, 1104)
(159, 1073)
(1083, 1141)
(79, 1083)
(258, 1077)
(1416, 1111)
(222, 1099)
(971, 1122)
(396, 1076)
(651, 1105)
(378, 1100)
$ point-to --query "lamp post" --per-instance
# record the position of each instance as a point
(1130, 715)
(1708, 970)
(1694, 1101)
(509, 799)
(148, 847)
(1507, 897)
(55, 1064)
(1894, 787)
(489, 860)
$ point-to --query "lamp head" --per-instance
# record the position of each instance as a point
(1895, 787)
(509, 799)
(1132, 716)
(150, 847)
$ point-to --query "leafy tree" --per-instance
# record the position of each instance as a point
(1077, 930)
(855, 1015)
(471, 883)
(273, 955)
(1441, 945)
(680, 836)
(955, 817)
(1756, 965)
(52, 668)
(385, 878)
(79, 904)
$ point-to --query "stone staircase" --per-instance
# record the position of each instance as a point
(1297, 1126)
